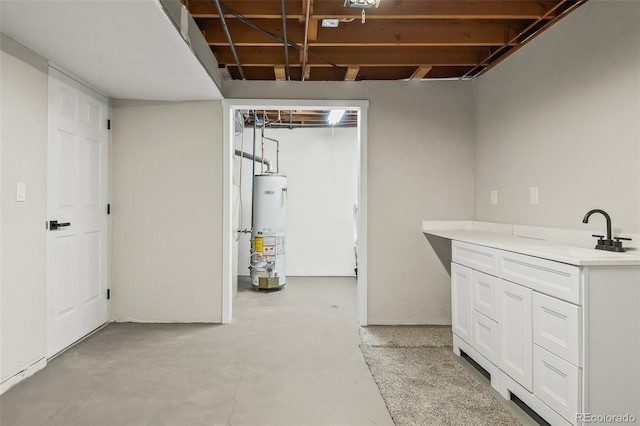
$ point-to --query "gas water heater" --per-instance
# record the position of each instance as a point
(268, 263)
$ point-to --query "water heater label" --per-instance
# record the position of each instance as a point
(269, 250)
(257, 244)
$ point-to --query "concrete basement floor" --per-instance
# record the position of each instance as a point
(288, 358)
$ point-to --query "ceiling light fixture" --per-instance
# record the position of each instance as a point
(362, 3)
(335, 116)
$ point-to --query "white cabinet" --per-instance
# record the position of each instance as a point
(562, 338)
(515, 353)
(474, 306)
(461, 301)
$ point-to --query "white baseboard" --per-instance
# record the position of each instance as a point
(20, 376)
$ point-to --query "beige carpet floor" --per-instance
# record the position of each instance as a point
(422, 381)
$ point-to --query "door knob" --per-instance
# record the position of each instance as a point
(53, 225)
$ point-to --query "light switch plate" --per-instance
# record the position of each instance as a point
(533, 195)
(494, 197)
(21, 193)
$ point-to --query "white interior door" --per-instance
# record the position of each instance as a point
(77, 200)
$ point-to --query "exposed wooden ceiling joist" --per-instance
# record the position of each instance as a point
(364, 56)
(407, 9)
(299, 118)
(352, 73)
(421, 72)
(377, 33)
(456, 38)
(279, 72)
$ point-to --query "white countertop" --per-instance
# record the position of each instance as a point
(551, 250)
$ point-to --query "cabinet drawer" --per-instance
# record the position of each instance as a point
(556, 327)
(485, 336)
(484, 294)
(556, 383)
(545, 276)
(477, 257)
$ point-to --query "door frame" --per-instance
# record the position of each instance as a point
(228, 108)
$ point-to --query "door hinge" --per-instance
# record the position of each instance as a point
(108, 293)
(108, 208)
(109, 124)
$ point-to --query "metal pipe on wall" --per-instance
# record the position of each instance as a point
(296, 125)
(253, 168)
(277, 150)
(249, 156)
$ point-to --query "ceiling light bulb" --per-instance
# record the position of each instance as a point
(335, 116)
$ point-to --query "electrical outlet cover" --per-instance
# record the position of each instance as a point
(533, 195)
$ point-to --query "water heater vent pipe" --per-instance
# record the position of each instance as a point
(250, 156)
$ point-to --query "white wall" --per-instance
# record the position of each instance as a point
(563, 114)
(420, 165)
(321, 166)
(166, 211)
(23, 86)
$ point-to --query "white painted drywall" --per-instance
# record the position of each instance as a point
(420, 163)
(125, 49)
(166, 211)
(321, 166)
(563, 114)
(23, 88)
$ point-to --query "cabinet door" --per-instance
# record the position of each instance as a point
(461, 301)
(515, 354)
(484, 292)
(485, 336)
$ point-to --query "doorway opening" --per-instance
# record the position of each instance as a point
(232, 110)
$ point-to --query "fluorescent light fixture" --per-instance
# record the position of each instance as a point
(330, 23)
(335, 116)
(362, 3)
